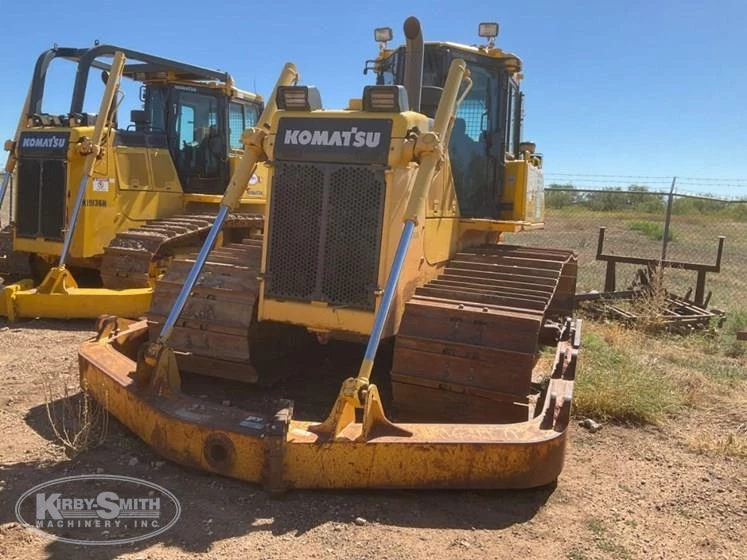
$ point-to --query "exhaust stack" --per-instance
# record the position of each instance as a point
(413, 62)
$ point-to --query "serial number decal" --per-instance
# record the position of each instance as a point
(94, 202)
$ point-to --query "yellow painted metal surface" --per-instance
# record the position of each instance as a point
(340, 320)
(317, 317)
(59, 297)
(400, 152)
(523, 188)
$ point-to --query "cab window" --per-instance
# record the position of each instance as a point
(199, 153)
(471, 165)
(240, 117)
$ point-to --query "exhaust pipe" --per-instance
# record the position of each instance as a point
(413, 62)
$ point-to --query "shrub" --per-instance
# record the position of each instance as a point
(556, 198)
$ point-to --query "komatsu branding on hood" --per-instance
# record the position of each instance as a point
(353, 137)
(43, 143)
(333, 139)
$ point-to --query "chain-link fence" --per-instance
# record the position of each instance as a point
(635, 219)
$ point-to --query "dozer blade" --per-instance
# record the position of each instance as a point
(59, 297)
(268, 446)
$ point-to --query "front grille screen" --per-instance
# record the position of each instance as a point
(41, 198)
(325, 233)
(297, 195)
(29, 196)
(53, 199)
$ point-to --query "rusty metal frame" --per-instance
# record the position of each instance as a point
(282, 453)
(701, 268)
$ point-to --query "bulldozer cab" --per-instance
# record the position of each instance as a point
(487, 126)
(195, 112)
(183, 135)
(202, 127)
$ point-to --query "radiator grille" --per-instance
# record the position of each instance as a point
(29, 195)
(41, 198)
(297, 194)
(325, 233)
(53, 199)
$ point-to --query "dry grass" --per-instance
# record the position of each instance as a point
(727, 445)
(78, 422)
(651, 304)
(619, 382)
(635, 376)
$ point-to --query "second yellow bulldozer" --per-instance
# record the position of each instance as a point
(384, 223)
(100, 207)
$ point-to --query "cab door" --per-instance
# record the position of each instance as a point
(475, 148)
(199, 140)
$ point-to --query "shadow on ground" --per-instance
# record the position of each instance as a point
(69, 325)
(214, 508)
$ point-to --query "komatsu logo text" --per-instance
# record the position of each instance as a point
(45, 142)
(40, 144)
(343, 138)
(333, 140)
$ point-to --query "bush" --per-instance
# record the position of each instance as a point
(637, 197)
(684, 206)
(606, 200)
(642, 200)
(558, 196)
(739, 211)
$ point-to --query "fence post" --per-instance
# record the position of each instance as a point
(667, 221)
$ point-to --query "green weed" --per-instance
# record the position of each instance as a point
(653, 230)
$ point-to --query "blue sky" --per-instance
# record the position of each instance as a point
(639, 88)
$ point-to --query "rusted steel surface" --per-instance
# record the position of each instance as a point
(212, 333)
(469, 339)
(700, 300)
(268, 446)
(647, 298)
(128, 257)
(672, 312)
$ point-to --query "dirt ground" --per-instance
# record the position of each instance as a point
(625, 493)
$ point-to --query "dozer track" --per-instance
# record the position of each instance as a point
(128, 258)
(12, 263)
(468, 341)
(212, 333)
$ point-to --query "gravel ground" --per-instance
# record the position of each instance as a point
(624, 493)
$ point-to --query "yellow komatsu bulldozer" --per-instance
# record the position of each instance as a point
(384, 225)
(99, 209)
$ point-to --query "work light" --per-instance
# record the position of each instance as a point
(383, 34)
(488, 30)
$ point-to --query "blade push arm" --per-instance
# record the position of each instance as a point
(11, 146)
(93, 147)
